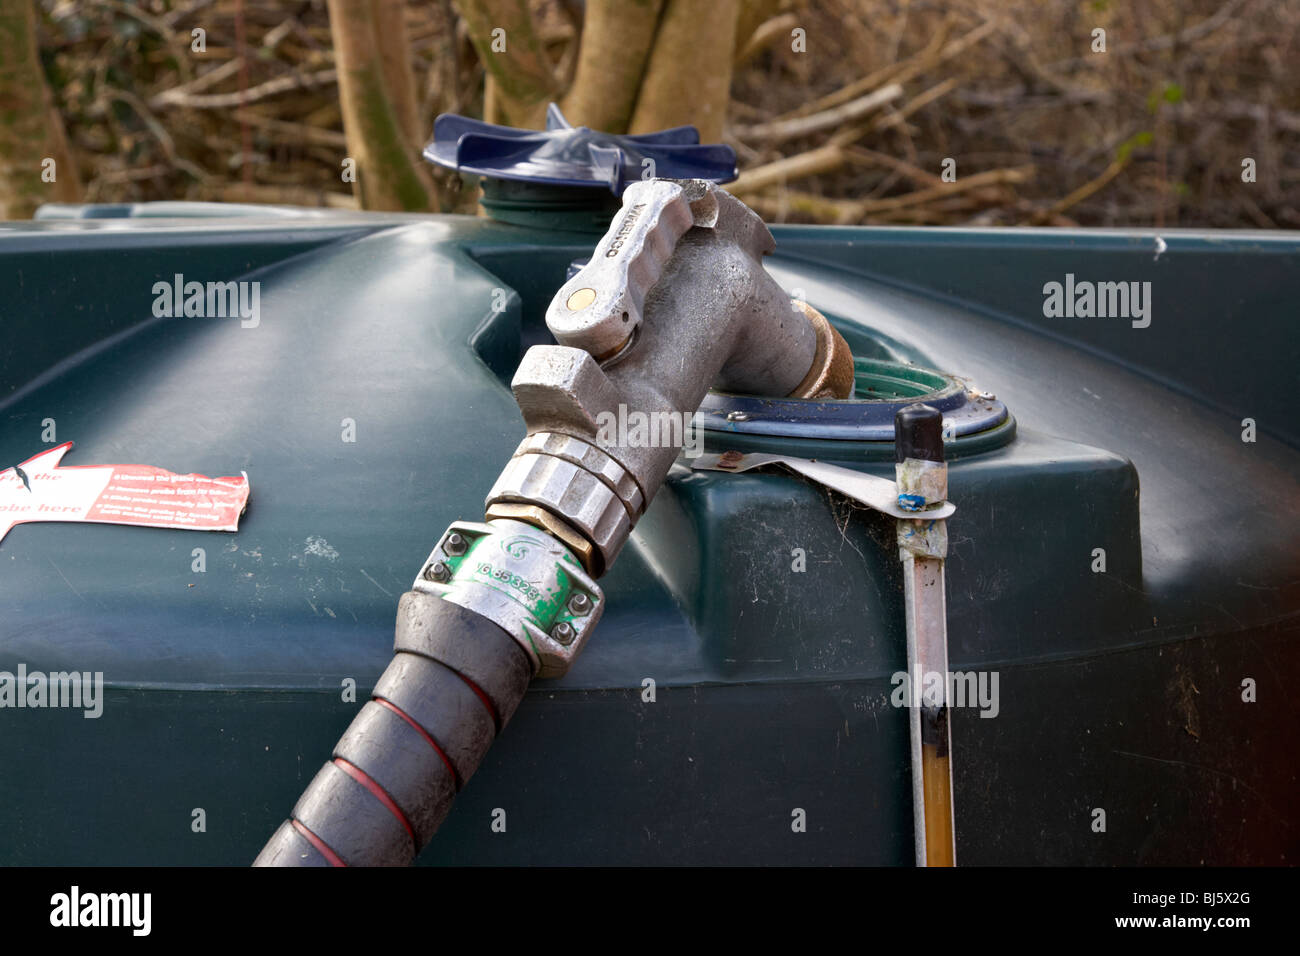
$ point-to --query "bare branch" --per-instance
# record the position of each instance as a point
(782, 130)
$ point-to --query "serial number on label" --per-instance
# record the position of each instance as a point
(506, 576)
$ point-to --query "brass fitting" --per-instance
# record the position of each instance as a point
(831, 373)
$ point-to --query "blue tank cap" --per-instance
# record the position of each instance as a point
(565, 155)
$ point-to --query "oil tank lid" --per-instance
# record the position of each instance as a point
(563, 155)
(881, 390)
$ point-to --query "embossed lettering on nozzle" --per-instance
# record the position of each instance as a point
(674, 301)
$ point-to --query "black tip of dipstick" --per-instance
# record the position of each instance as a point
(918, 433)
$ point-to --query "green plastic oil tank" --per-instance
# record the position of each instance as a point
(369, 405)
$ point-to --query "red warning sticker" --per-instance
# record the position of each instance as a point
(40, 490)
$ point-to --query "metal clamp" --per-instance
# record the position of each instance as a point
(522, 579)
(879, 493)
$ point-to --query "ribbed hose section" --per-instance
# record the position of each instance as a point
(453, 685)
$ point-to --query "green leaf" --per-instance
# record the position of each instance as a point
(1126, 148)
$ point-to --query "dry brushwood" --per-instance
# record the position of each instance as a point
(1157, 129)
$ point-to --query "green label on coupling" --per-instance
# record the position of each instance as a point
(527, 569)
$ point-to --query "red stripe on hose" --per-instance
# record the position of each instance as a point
(496, 720)
(320, 845)
(382, 702)
(363, 778)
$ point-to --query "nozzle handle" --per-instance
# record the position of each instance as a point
(600, 307)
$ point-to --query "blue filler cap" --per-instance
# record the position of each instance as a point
(565, 155)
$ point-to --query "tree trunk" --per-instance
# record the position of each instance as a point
(399, 76)
(390, 176)
(688, 78)
(523, 79)
(617, 36)
(35, 163)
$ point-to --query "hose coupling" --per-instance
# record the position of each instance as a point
(524, 580)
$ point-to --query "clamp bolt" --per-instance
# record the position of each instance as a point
(737, 416)
(456, 544)
(579, 603)
(564, 632)
(438, 571)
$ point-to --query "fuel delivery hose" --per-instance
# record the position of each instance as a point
(454, 683)
(675, 299)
